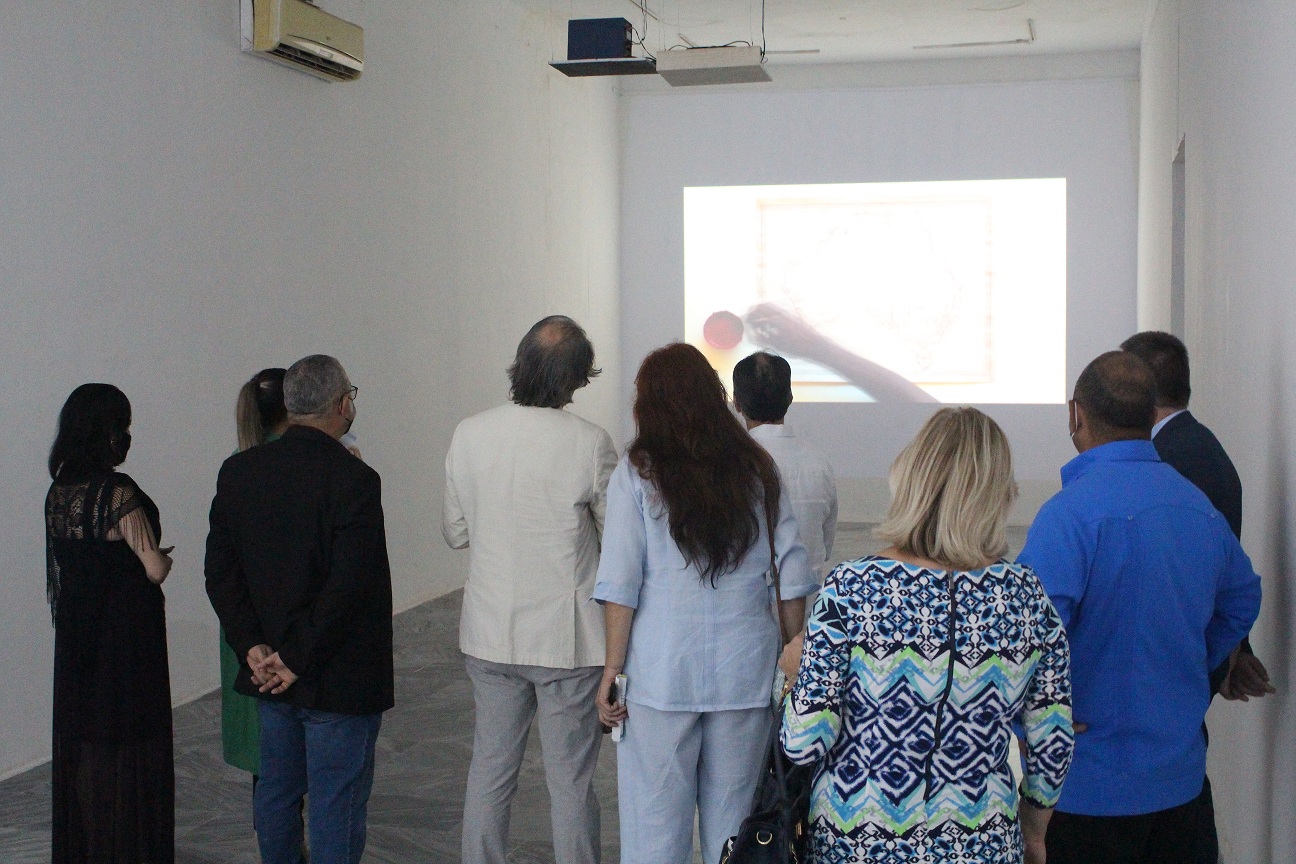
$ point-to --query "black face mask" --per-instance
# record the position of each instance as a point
(121, 446)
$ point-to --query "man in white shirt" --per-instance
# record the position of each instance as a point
(526, 487)
(762, 395)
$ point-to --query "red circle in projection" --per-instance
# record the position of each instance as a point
(723, 330)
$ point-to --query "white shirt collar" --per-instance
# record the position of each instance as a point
(1161, 424)
(772, 430)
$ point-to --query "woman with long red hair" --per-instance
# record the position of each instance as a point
(688, 608)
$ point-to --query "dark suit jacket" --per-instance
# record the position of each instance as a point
(297, 560)
(1194, 451)
(1186, 445)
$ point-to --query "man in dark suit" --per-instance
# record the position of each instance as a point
(298, 574)
(1190, 448)
(1181, 441)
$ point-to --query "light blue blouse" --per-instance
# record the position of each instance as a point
(694, 647)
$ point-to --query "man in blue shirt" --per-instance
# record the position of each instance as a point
(1186, 445)
(1155, 591)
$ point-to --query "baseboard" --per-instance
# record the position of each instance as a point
(20, 769)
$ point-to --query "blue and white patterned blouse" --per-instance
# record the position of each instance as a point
(909, 685)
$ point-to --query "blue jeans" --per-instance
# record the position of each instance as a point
(329, 755)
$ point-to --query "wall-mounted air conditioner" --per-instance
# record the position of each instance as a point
(305, 37)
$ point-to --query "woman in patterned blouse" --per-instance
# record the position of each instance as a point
(918, 661)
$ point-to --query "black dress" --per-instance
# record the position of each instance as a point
(112, 774)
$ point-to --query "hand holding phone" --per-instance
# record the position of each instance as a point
(619, 685)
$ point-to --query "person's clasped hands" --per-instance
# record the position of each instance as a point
(268, 670)
(1247, 678)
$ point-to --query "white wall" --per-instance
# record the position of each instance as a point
(177, 215)
(877, 123)
(1222, 76)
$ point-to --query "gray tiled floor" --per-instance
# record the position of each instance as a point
(421, 769)
(422, 764)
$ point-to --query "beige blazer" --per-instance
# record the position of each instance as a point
(526, 491)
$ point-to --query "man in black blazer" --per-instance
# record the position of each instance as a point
(297, 572)
(1180, 439)
(1184, 443)
(1190, 448)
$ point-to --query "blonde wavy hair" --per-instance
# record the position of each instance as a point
(951, 490)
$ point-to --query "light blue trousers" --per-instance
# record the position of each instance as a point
(673, 764)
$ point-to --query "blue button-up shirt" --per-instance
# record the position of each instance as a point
(1155, 592)
(694, 647)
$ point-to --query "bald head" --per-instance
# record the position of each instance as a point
(552, 330)
(1116, 398)
(554, 360)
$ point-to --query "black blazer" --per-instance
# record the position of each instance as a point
(1194, 451)
(297, 560)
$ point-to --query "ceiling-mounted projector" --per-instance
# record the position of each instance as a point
(602, 46)
(736, 64)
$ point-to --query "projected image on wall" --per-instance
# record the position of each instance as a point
(932, 291)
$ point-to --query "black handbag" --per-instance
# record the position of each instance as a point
(778, 829)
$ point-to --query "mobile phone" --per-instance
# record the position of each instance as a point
(619, 684)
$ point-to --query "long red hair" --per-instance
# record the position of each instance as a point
(712, 477)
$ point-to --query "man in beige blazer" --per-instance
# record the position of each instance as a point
(525, 494)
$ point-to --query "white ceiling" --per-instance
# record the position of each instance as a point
(844, 31)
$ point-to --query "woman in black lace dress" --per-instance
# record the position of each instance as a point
(113, 777)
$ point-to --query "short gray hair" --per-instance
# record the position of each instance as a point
(313, 383)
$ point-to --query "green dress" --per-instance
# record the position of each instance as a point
(240, 722)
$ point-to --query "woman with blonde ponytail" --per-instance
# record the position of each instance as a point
(260, 417)
(260, 413)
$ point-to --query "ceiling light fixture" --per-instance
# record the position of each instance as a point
(1030, 27)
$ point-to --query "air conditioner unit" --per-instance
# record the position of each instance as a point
(305, 37)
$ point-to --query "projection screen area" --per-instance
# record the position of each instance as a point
(885, 292)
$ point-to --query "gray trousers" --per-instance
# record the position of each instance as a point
(507, 698)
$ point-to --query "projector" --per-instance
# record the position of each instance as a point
(738, 64)
(602, 46)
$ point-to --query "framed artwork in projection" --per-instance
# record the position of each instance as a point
(933, 291)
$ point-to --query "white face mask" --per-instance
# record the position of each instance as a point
(350, 418)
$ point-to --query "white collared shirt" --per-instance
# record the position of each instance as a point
(808, 479)
(526, 492)
(1160, 424)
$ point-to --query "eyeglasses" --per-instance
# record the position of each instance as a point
(353, 392)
